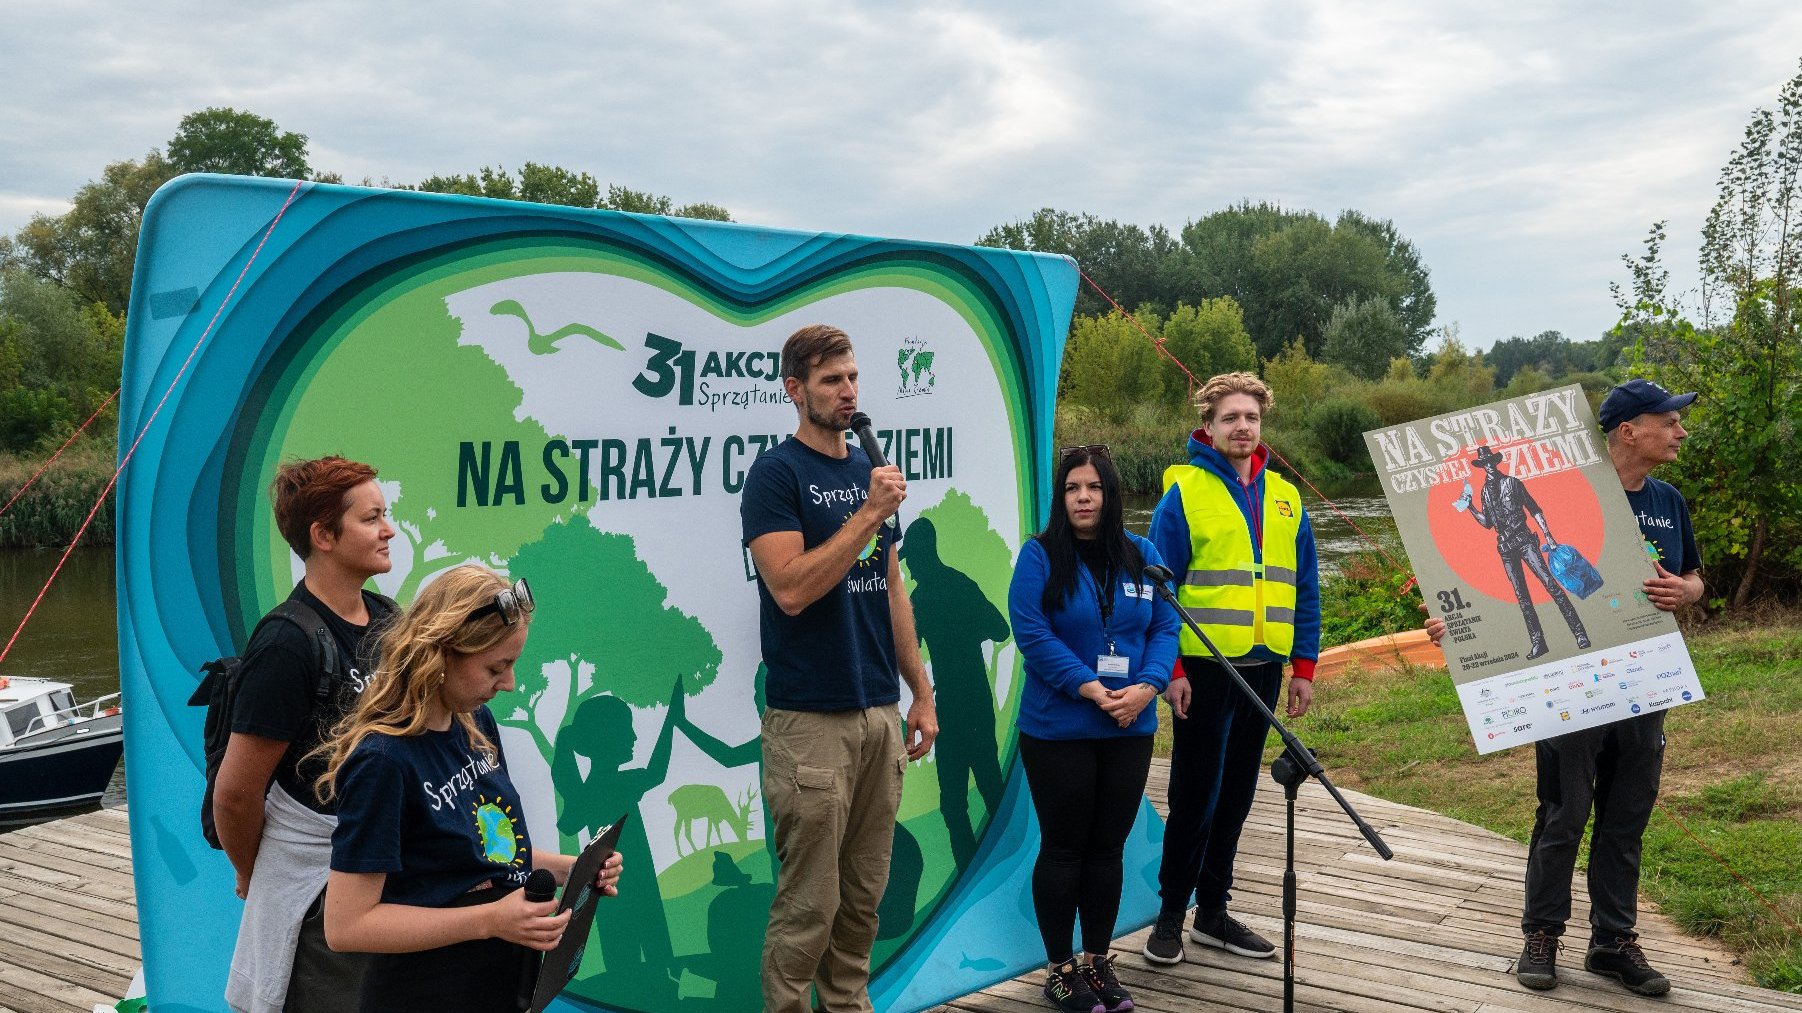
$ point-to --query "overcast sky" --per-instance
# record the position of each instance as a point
(1522, 146)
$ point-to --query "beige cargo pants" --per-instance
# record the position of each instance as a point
(833, 783)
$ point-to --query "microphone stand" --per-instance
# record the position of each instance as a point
(1293, 766)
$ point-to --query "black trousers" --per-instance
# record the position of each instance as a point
(1615, 770)
(1086, 794)
(1216, 755)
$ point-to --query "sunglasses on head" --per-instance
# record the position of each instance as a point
(1093, 450)
(509, 604)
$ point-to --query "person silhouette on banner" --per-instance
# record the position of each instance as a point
(1506, 505)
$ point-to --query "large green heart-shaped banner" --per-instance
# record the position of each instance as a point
(575, 396)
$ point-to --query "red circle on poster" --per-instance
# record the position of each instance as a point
(1565, 497)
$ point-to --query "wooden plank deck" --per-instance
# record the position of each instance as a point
(1436, 929)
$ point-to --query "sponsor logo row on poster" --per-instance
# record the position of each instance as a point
(1580, 692)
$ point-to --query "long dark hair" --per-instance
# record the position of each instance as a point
(1059, 539)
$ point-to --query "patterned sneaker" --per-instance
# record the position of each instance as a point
(1626, 961)
(1223, 931)
(1100, 972)
(1537, 967)
(1165, 946)
(1068, 989)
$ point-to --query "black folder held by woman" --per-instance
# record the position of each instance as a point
(579, 895)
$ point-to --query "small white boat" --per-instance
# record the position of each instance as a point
(55, 754)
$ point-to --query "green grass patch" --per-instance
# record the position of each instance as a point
(1732, 775)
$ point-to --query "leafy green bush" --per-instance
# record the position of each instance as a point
(1339, 426)
(1398, 401)
(1366, 598)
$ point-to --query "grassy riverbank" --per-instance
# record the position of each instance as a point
(52, 510)
(1732, 775)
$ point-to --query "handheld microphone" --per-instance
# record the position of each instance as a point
(872, 447)
(540, 886)
(866, 438)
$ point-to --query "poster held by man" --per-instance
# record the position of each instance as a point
(1507, 509)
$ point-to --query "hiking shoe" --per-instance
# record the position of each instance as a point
(1221, 930)
(1165, 946)
(1068, 989)
(1626, 961)
(1537, 967)
(1100, 973)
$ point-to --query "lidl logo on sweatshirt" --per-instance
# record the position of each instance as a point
(1283, 507)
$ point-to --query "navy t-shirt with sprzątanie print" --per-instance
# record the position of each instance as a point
(839, 652)
(1664, 521)
(438, 816)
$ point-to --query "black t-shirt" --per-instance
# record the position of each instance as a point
(276, 698)
(839, 653)
(437, 817)
(1664, 521)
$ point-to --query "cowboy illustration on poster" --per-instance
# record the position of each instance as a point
(1505, 508)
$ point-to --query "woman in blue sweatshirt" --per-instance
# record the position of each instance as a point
(1098, 645)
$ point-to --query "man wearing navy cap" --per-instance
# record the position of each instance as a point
(1614, 768)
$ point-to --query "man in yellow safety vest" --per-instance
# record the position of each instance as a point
(1242, 549)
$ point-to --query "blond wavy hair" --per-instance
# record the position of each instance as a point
(416, 647)
(1218, 388)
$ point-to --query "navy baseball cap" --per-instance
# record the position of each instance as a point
(1636, 397)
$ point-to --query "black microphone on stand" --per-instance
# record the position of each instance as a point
(872, 447)
(541, 886)
(1296, 764)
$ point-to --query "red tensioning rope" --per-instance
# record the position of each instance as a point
(1194, 383)
(59, 452)
(1157, 343)
(126, 458)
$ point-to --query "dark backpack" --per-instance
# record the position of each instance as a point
(221, 679)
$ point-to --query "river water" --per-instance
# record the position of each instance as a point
(73, 637)
(1342, 528)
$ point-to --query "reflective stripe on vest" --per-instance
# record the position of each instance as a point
(1239, 601)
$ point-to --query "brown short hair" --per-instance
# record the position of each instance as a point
(1208, 398)
(810, 346)
(312, 492)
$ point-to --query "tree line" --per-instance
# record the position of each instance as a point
(1338, 314)
(65, 280)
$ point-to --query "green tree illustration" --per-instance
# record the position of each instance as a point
(602, 606)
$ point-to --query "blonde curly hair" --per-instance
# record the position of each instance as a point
(415, 647)
(1218, 388)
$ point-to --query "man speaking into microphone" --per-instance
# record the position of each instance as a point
(838, 636)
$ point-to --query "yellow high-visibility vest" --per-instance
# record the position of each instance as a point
(1238, 602)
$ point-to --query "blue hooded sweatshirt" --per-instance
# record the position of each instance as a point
(1170, 534)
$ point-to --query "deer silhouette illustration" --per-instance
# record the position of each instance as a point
(707, 803)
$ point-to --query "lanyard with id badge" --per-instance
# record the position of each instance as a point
(1109, 663)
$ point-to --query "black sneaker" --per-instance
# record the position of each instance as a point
(1100, 972)
(1165, 946)
(1626, 961)
(1537, 967)
(1223, 931)
(1068, 989)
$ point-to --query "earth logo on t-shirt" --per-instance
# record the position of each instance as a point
(863, 557)
(499, 844)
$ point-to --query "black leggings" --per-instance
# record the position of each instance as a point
(1086, 793)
